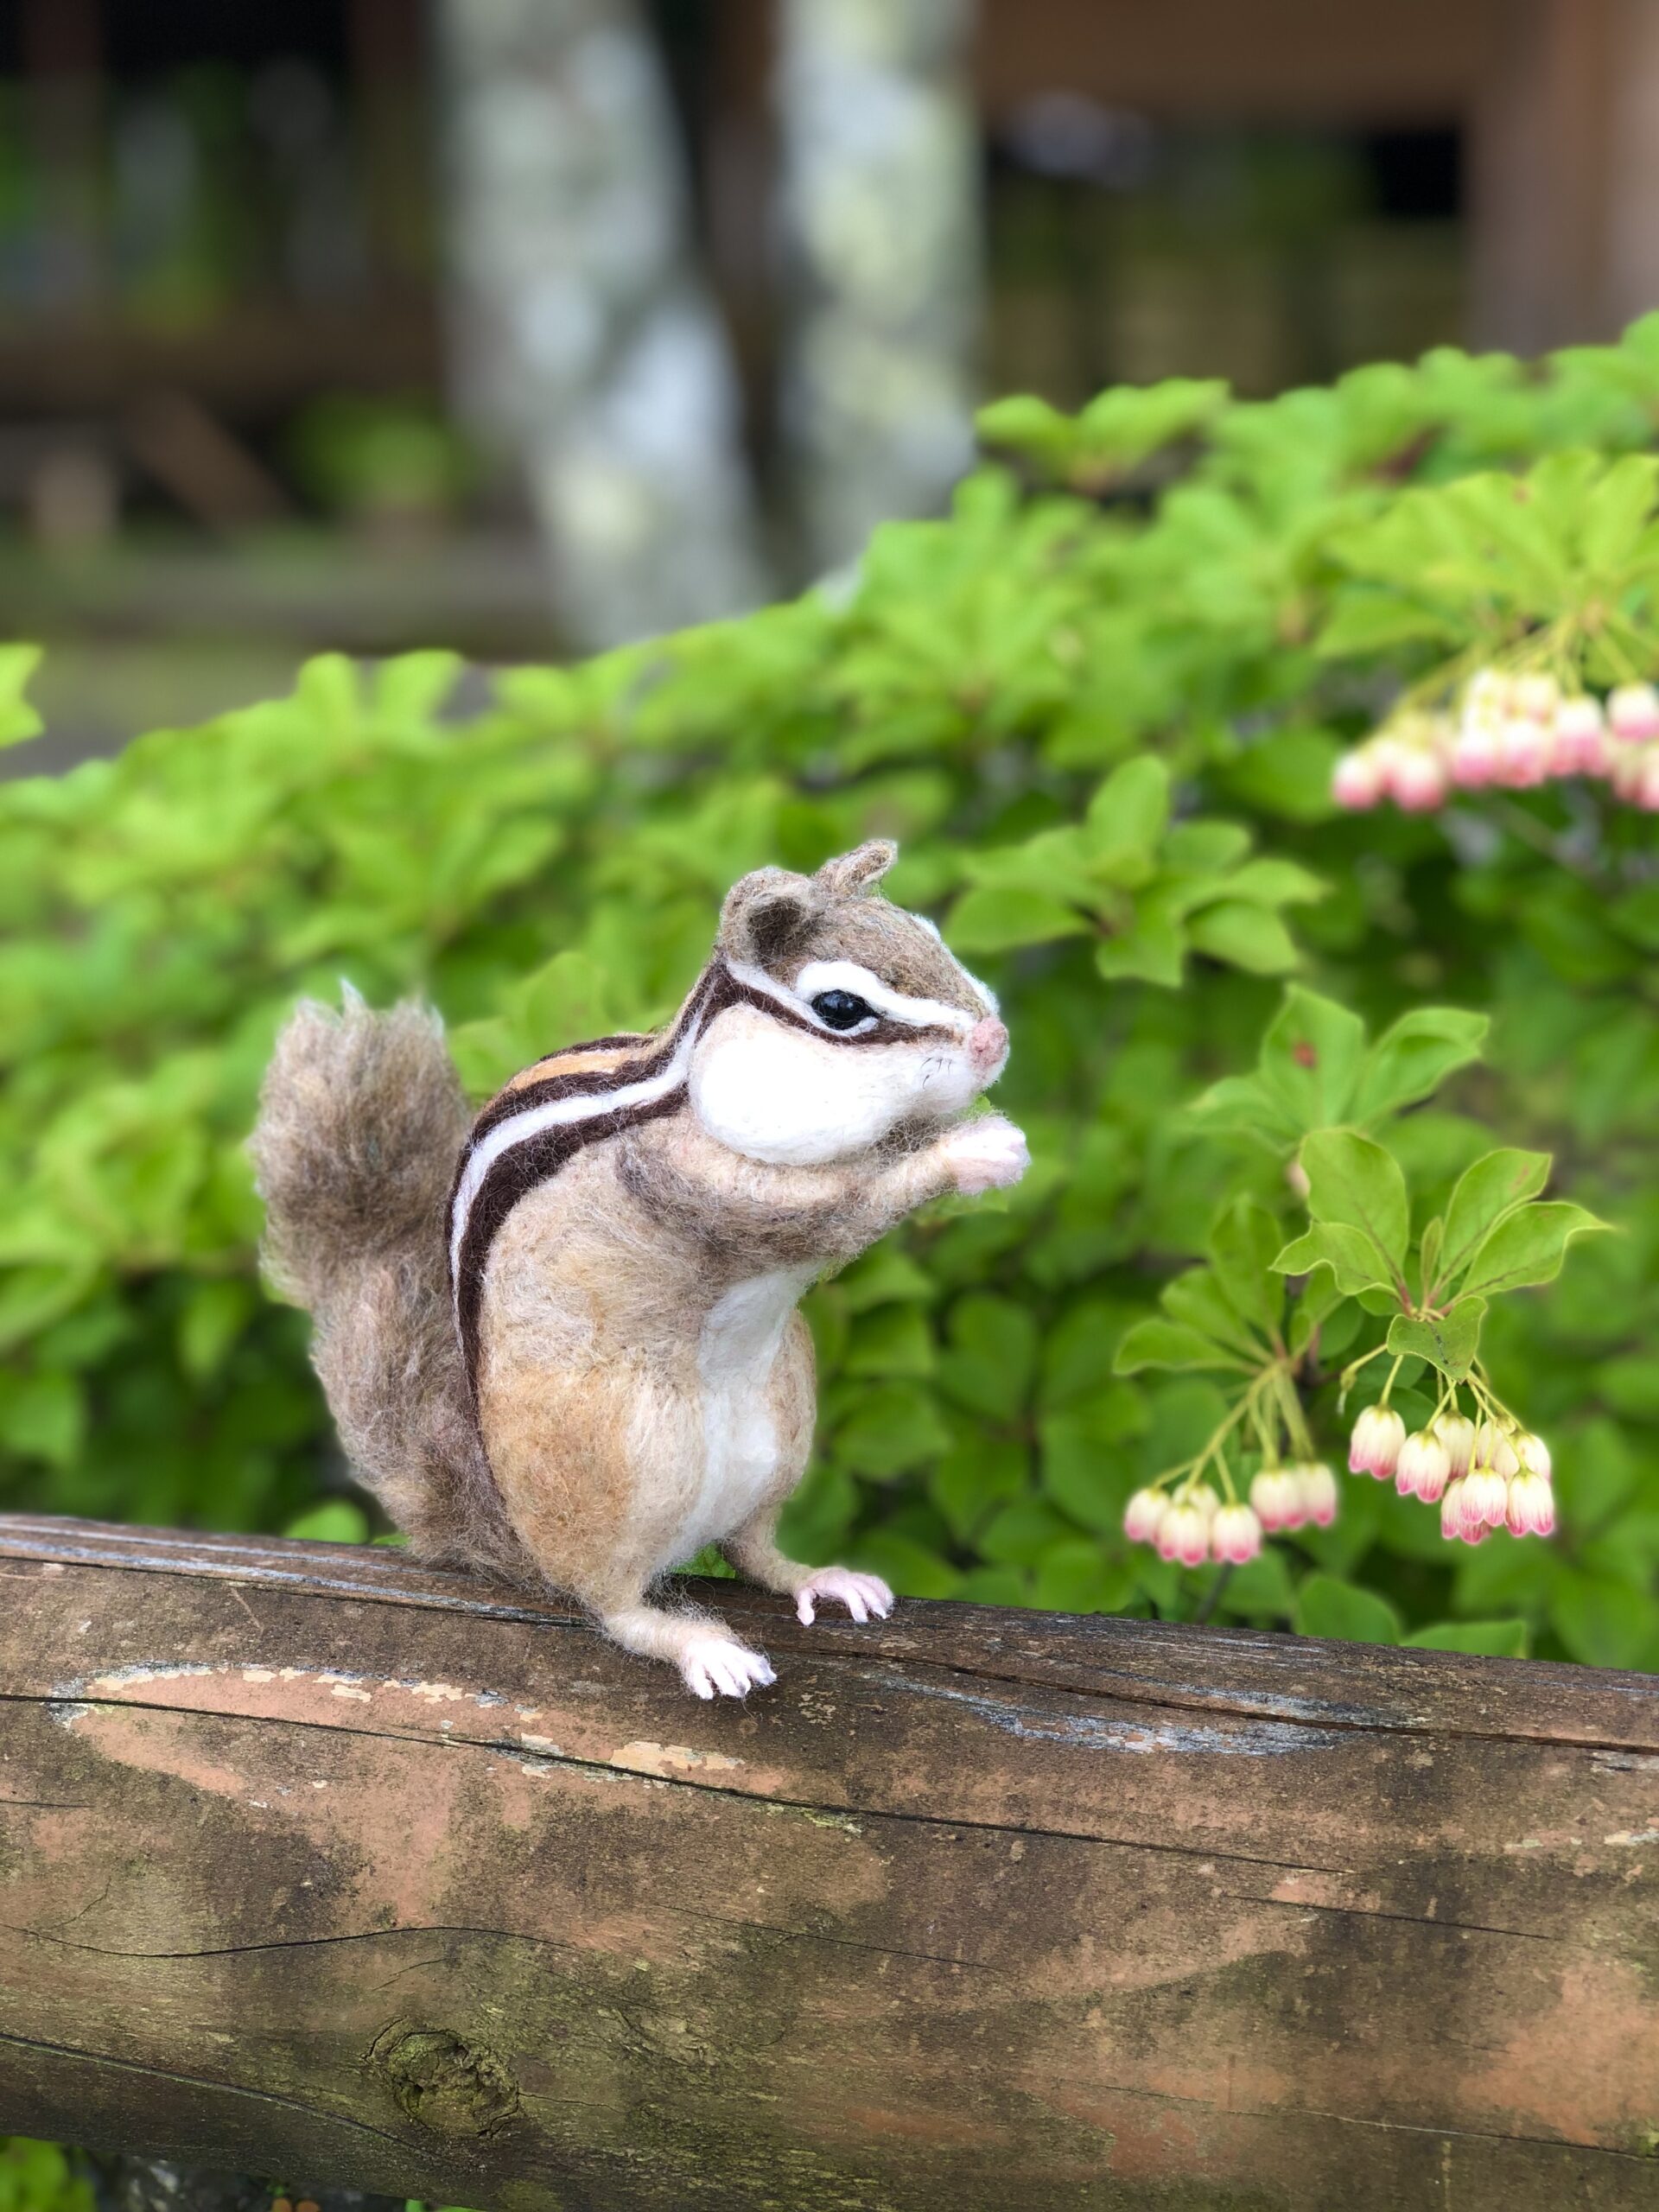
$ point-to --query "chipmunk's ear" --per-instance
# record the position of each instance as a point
(859, 870)
(764, 911)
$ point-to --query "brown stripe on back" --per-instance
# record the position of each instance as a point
(518, 1171)
(578, 1059)
(636, 1059)
(523, 1166)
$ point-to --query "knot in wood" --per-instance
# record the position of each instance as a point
(445, 2083)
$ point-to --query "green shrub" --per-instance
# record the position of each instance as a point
(1100, 707)
(40, 2177)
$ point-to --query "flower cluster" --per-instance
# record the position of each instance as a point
(1515, 731)
(1483, 1475)
(1288, 1498)
(1193, 1526)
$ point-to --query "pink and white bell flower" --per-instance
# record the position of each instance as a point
(1489, 691)
(1417, 780)
(1494, 1454)
(1536, 696)
(1457, 1433)
(1533, 1455)
(1184, 1535)
(1423, 1468)
(1374, 1447)
(1524, 748)
(1578, 742)
(1276, 1494)
(1318, 1489)
(1633, 713)
(1626, 766)
(1451, 1526)
(1143, 1515)
(1485, 1502)
(1530, 1510)
(1357, 782)
(1235, 1534)
(1477, 755)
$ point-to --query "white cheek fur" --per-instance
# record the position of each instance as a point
(777, 1094)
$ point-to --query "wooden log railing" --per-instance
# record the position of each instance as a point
(315, 1865)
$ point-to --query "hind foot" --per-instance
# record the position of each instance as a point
(715, 1666)
(711, 1662)
(862, 1594)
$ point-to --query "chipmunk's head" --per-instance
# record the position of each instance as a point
(846, 1019)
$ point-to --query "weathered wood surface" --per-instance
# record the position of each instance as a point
(317, 1864)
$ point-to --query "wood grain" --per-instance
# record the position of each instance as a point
(315, 1863)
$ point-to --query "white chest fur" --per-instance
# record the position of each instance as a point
(736, 1352)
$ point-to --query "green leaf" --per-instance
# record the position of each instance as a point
(1351, 1254)
(1157, 1343)
(1029, 426)
(913, 1570)
(1243, 1244)
(1492, 1639)
(1269, 883)
(977, 1475)
(1152, 951)
(1528, 1246)
(1320, 1306)
(214, 1316)
(1197, 1299)
(1204, 850)
(992, 1356)
(18, 720)
(985, 919)
(1364, 623)
(1251, 938)
(337, 1521)
(1485, 1193)
(894, 1425)
(1604, 1621)
(1428, 1250)
(1242, 1103)
(1353, 1181)
(1130, 812)
(1261, 1589)
(893, 1340)
(1019, 1533)
(1326, 1605)
(1285, 773)
(1075, 1576)
(1415, 1056)
(1311, 1058)
(42, 1416)
(1616, 510)
(1449, 1341)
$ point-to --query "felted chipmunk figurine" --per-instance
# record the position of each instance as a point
(574, 1358)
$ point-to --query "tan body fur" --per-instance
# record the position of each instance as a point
(643, 1383)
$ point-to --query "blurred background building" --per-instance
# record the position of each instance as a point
(520, 325)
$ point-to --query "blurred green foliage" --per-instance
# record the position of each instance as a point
(40, 2177)
(1099, 706)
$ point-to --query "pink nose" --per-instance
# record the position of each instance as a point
(987, 1045)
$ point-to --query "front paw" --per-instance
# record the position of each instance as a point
(987, 1154)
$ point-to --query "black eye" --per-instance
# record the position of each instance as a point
(842, 1009)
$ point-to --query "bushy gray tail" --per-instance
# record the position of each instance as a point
(361, 1121)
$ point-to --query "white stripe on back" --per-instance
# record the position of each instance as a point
(557, 1113)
